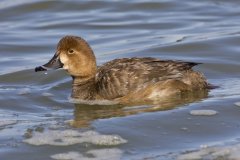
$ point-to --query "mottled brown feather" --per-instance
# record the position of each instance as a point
(120, 77)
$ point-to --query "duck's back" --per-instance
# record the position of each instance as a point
(121, 77)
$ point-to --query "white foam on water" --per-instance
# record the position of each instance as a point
(7, 122)
(221, 152)
(92, 102)
(203, 112)
(71, 137)
(98, 154)
(68, 156)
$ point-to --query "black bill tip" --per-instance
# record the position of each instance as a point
(40, 68)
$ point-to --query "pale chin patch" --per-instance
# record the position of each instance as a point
(63, 59)
(65, 67)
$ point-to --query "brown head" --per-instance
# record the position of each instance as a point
(75, 56)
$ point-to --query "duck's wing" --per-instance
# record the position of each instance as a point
(121, 76)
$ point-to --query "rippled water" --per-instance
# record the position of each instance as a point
(37, 121)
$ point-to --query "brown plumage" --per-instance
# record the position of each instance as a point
(125, 80)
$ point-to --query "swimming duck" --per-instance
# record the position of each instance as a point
(123, 80)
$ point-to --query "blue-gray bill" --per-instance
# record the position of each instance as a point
(54, 63)
(40, 68)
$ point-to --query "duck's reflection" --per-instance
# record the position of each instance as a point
(85, 114)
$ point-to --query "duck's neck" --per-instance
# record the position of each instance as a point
(84, 88)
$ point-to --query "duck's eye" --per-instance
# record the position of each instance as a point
(70, 51)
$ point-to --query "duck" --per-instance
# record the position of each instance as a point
(123, 80)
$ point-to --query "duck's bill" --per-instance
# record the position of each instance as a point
(54, 63)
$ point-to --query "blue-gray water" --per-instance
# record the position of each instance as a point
(36, 104)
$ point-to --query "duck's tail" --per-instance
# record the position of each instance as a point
(192, 64)
(211, 86)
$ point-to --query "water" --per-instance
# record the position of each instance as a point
(35, 105)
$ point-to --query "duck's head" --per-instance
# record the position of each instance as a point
(74, 55)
